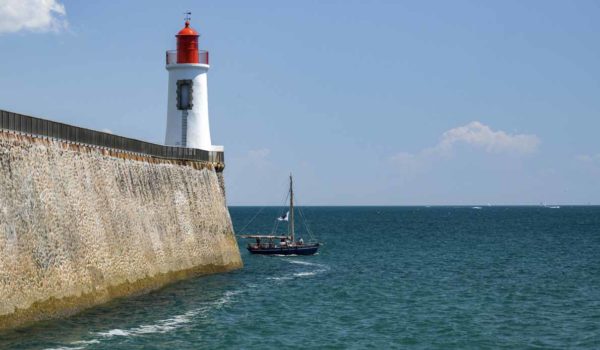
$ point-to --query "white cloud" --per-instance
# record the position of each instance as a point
(108, 131)
(32, 15)
(473, 134)
(482, 136)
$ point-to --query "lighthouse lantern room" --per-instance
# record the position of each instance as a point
(187, 113)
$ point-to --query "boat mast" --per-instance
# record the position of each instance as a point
(292, 208)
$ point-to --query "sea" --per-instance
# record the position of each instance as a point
(488, 277)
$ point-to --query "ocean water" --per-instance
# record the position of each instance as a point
(386, 277)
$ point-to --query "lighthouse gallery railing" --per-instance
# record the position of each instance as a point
(46, 128)
(171, 57)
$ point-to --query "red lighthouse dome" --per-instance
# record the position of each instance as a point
(187, 45)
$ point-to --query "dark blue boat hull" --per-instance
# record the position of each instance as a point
(307, 249)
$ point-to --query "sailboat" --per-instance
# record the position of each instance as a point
(282, 244)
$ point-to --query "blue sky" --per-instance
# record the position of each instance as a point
(366, 102)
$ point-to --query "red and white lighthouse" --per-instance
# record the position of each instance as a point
(187, 113)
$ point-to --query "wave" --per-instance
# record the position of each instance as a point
(169, 324)
(305, 274)
(179, 321)
(306, 263)
(296, 274)
(282, 278)
(160, 326)
(319, 269)
(93, 341)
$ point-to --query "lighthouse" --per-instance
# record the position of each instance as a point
(187, 111)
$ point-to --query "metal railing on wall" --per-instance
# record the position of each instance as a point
(45, 128)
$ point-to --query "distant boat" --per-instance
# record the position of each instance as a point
(543, 204)
(282, 244)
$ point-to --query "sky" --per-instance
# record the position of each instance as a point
(365, 102)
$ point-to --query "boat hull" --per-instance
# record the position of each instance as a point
(299, 250)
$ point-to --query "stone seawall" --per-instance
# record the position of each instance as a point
(81, 226)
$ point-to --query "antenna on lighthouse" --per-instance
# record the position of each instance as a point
(188, 15)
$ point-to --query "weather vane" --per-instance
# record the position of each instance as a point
(188, 15)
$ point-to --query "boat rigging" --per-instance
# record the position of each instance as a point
(282, 244)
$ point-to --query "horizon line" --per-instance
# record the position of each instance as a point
(420, 205)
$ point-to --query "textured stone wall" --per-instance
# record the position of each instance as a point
(79, 227)
(221, 178)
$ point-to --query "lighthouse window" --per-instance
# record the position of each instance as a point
(184, 94)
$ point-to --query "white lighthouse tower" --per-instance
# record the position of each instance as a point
(187, 113)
